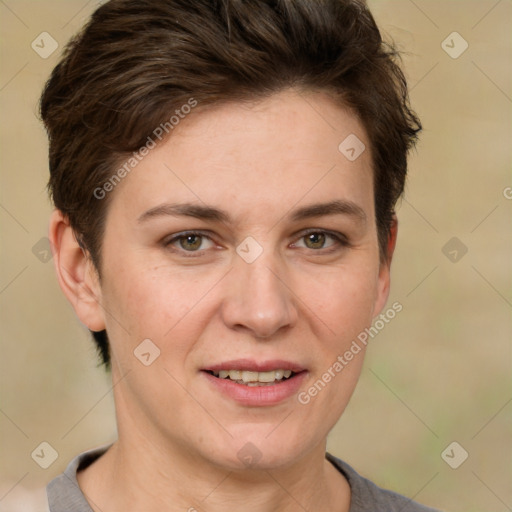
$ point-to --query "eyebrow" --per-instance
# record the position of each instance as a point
(186, 210)
(337, 207)
(331, 208)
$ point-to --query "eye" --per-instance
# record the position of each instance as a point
(315, 240)
(320, 240)
(190, 242)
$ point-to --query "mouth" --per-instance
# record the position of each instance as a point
(254, 378)
(256, 383)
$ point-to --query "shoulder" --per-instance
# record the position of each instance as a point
(64, 493)
(367, 496)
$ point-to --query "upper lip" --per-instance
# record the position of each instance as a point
(252, 365)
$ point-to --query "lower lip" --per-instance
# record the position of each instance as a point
(258, 396)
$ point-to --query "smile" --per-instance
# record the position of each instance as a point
(255, 383)
(250, 378)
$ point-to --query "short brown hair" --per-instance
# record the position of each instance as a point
(137, 61)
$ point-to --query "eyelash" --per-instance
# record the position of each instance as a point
(184, 234)
(340, 241)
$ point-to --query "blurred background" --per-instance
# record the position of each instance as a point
(431, 417)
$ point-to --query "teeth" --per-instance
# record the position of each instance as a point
(253, 378)
(270, 376)
(249, 376)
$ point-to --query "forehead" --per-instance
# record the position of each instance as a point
(261, 156)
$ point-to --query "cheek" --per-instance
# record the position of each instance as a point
(343, 299)
(161, 304)
(340, 307)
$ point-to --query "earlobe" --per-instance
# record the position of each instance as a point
(76, 274)
(385, 268)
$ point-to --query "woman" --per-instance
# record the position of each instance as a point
(224, 175)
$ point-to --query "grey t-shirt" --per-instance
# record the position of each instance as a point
(64, 494)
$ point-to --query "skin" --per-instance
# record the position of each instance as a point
(178, 435)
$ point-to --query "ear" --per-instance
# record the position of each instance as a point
(385, 268)
(76, 274)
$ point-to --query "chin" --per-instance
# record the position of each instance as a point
(257, 450)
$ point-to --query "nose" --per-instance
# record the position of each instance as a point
(258, 299)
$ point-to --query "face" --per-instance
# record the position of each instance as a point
(245, 248)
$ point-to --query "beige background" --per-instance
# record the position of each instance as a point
(439, 372)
